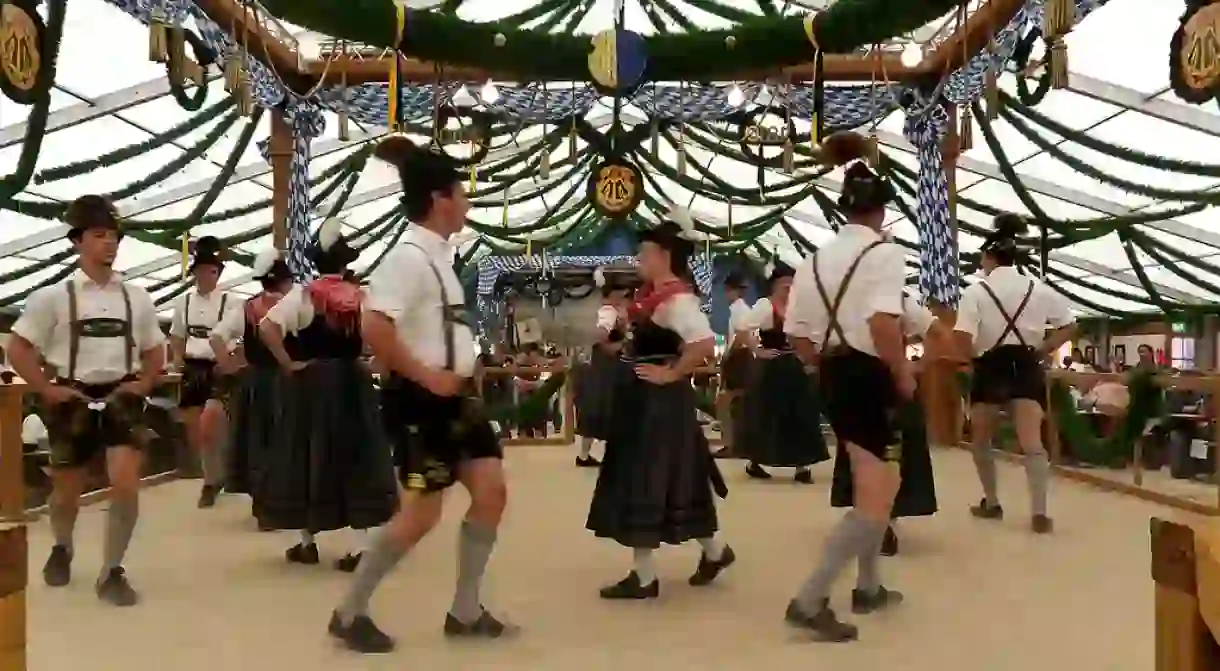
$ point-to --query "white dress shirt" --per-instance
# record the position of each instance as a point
(404, 288)
(761, 317)
(739, 319)
(293, 312)
(978, 315)
(876, 287)
(681, 314)
(44, 324)
(232, 326)
(33, 431)
(205, 312)
(916, 319)
(607, 318)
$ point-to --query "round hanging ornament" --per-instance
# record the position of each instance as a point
(617, 61)
(23, 64)
(616, 187)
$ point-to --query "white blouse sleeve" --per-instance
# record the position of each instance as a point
(682, 315)
(607, 317)
(762, 316)
(293, 312)
(916, 319)
(233, 325)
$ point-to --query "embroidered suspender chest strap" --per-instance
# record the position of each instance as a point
(1010, 325)
(197, 331)
(833, 327)
(449, 314)
(76, 331)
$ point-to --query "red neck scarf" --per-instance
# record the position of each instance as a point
(257, 307)
(778, 310)
(338, 300)
(651, 296)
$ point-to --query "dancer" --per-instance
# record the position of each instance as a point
(848, 297)
(735, 364)
(255, 400)
(593, 418)
(416, 321)
(917, 492)
(658, 479)
(101, 336)
(196, 313)
(783, 414)
(1002, 322)
(328, 465)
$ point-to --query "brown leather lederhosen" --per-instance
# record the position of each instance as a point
(199, 379)
(78, 327)
(1005, 372)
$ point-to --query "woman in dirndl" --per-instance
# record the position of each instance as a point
(255, 402)
(329, 466)
(658, 480)
(782, 425)
(593, 409)
(917, 493)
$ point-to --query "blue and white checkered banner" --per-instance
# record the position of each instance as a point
(305, 118)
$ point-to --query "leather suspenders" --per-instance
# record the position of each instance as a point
(1010, 326)
(450, 314)
(76, 330)
(833, 327)
(186, 317)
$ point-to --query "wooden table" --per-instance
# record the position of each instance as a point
(13, 548)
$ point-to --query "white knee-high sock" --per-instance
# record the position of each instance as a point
(643, 565)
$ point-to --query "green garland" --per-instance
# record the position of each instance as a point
(1147, 404)
(765, 42)
(532, 406)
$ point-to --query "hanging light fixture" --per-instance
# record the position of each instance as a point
(736, 97)
(462, 98)
(489, 93)
(912, 55)
(764, 96)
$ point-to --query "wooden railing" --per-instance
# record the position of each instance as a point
(1186, 570)
(567, 406)
(13, 547)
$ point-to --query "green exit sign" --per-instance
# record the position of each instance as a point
(1179, 327)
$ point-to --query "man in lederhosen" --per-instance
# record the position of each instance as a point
(196, 313)
(416, 321)
(735, 364)
(101, 336)
(848, 298)
(1002, 322)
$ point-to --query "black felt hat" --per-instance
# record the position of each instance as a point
(208, 252)
(329, 248)
(779, 270)
(270, 266)
(89, 212)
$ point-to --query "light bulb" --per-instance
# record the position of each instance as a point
(736, 97)
(489, 93)
(463, 98)
(764, 96)
(912, 55)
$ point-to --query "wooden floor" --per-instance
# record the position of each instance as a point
(217, 594)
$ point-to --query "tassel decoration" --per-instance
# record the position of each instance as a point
(681, 163)
(504, 210)
(244, 95)
(233, 72)
(158, 35)
(730, 227)
(872, 153)
(186, 254)
(655, 138)
(529, 247)
(789, 157)
(572, 141)
(176, 55)
(991, 94)
(1058, 64)
(345, 124)
(198, 73)
(965, 131)
(544, 165)
(1058, 19)
(474, 179)
(395, 78)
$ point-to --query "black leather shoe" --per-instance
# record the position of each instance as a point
(57, 572)
(485, 626)
(587, 462)
(757, 472)
(708, 570)
(889, 544)
(349, 562)
(303, 554)
(361, 635)
(115, 590)
(987, 511)
(207, 496)
(823, 626)
(863, 603)
(803, 476)
(630, 588)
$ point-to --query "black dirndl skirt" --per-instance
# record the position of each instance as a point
(254, 407)
(917, 494)
(735, 368)
(782, 415)
(595, 399)
(658, 479)
(330, 464)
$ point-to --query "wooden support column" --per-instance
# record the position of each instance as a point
(1183, 640)
(941, 395)
(280, 152)
(14, 551)
(1205, 346)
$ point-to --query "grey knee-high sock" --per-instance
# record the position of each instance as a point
(868, 569)
(852, 537)
(984, 463)
(120, 525)
(1038, 471)
(382, 555)
(212, 459)
(63, 522)
(475, 544)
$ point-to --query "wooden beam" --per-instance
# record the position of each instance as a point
(13, 547)
(302, 75)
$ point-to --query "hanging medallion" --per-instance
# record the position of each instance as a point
(616, 188)
(618, 61)
(22, 58)
(1194, 53)
(463, 134)
(763, 134)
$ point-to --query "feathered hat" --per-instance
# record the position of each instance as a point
(676, 234)
(89, 212)
(208, 252)
(1005, 239)
(863, 190)
(329, 247)
(270, 265)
